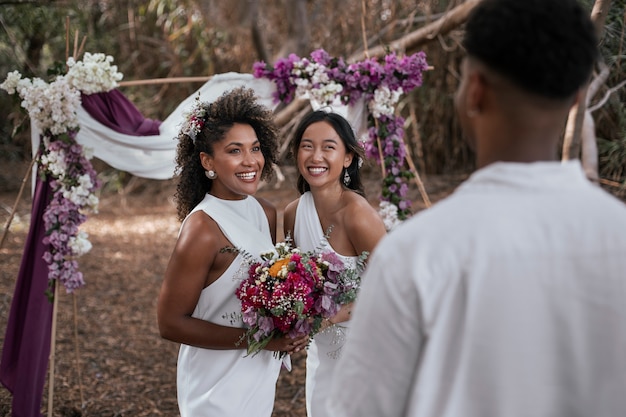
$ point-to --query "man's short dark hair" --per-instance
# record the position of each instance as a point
(546, 47)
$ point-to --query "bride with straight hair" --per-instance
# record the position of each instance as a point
(328, 158)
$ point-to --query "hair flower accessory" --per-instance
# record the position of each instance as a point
(194, 119)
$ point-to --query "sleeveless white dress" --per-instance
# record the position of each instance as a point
(226, 383)
(326, 346)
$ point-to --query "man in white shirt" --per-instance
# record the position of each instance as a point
(508, 298)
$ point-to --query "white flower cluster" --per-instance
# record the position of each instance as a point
(94, 74)
(80, 195)
(53, 162)
(389, 213)
(80, 243)
(312, 81)
(53, 106)
(384, 101)
(14, 82)
(50, 106)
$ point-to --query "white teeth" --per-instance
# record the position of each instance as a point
(247, 175)
(317, 170)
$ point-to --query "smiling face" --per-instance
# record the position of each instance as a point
(238, 162)
(321, 155)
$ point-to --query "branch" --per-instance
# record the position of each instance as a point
(401, 24)
(442, 26)
(606, 96)
(572, 145)
(598, 81)
(598, 15)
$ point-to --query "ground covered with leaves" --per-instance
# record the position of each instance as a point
(109, 357)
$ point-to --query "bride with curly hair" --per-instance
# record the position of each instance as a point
(225, 149)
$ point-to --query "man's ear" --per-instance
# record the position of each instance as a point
(476, 89)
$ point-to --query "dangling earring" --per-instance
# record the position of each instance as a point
(346, 177)
(210, 174)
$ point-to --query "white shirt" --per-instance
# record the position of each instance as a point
(506, 299)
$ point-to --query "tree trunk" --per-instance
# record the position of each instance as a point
(298, 31)
(257, 36)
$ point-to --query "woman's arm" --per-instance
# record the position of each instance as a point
(364, 226)
(187, 274)
(195, 263)
(365, 229)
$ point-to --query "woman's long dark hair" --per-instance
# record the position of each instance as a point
(346, 133)
(236, 106)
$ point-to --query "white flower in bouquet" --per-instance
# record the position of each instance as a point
(94, 74)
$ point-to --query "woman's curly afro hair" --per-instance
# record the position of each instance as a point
(235, 106)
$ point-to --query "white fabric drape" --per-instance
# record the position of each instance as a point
(153, 156)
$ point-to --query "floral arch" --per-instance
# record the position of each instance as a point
(80, 114)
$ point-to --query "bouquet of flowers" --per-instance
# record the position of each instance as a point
(289, 292)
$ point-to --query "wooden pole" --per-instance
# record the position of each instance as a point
(55, 305)
(52, 349)
(77, 352)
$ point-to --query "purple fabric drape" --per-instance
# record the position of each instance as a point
(27, 339)
(115, 111)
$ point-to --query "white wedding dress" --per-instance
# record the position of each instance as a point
(326, 346)
(226, 383)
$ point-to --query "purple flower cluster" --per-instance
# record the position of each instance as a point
(64, 214)
(390, 132)
(360, 80)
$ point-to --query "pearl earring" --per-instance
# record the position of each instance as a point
(210, 174)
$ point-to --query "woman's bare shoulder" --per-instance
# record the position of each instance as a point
(199, 229)
(362, 220)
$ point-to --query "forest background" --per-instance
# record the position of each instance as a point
(110, 359)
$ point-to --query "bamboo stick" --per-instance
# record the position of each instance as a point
(164, 81)
(17, 200)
